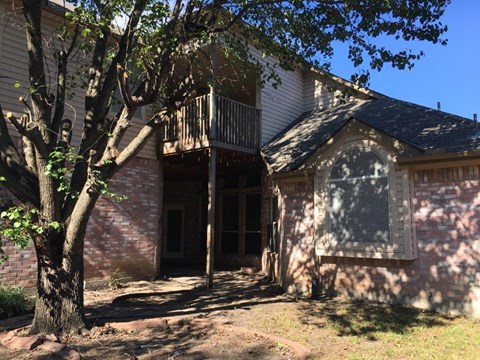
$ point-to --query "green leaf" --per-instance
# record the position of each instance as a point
(55, 225)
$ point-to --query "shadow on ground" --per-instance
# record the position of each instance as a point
(364, 318)
(182, 341)
(187, 296)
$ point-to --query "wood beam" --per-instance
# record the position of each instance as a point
(212, 177)
(158, 247)
(213, 104)
(212, 172)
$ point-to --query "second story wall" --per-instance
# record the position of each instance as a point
(300, 91)
(316, 94)
(281, 105)
(14, 69)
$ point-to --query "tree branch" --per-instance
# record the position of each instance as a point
(32, 11)
(19, 178)
(109, 82)
(28, 147)
(61, 91)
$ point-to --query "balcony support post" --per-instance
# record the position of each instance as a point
(212, 175)
(213, 100)
(161, 187)
(212, 171)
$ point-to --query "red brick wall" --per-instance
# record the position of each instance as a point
(25, 270)
(120, 236)
(297, 250)
(21, 267)
(445, 276)
(124, 235)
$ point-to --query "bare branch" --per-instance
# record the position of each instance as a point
(28, 148)
(137, 144)
(32, 11)
(19, 178)
(109, 82)
(123, 84)
(65, 133)
(61, 58)
(20, 128)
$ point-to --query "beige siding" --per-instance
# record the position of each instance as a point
(316, 94)
(282, 105)
(14, 64)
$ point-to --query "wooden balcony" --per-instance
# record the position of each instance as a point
(235, 126)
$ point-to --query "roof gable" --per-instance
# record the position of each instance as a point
(425, 129)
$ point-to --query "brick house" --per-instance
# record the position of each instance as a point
(374, 198)
(380, 200)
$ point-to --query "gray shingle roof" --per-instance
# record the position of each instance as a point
(424, 128)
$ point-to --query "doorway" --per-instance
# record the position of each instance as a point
(173, 246)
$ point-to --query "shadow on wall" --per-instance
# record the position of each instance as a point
(123, 236)
(298, 266)
(114, 242)
(445, 277)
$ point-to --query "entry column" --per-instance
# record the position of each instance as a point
(212, 172)
(212, 175)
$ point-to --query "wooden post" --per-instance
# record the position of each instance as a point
(213, 100)
(212, 174)
(161, 179)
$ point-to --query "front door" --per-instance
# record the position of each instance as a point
(173, 220)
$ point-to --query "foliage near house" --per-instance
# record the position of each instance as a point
(154, 59)
(13, 302)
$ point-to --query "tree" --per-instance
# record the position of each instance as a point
(151, 51)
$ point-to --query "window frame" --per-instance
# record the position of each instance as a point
(402, 243)
(242, 191)
(329, 181)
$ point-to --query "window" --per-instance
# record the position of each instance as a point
(272, 229)
(358, 198)
(240, 224)
(362, 201)
(230, 224)
(253, 234)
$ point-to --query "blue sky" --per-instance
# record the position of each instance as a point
(449, 74)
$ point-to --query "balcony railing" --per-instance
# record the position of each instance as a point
(236, 124)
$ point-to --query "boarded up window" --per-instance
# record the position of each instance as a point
(358, 198)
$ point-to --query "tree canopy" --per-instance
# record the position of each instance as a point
(151, 53)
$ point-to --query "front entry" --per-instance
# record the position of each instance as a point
(173, 220)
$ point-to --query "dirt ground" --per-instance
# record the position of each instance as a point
(246, 317)
(175, 318)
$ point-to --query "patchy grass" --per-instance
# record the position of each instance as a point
(346, 329)
(13, 302)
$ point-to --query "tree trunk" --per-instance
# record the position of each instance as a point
(59, 304)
